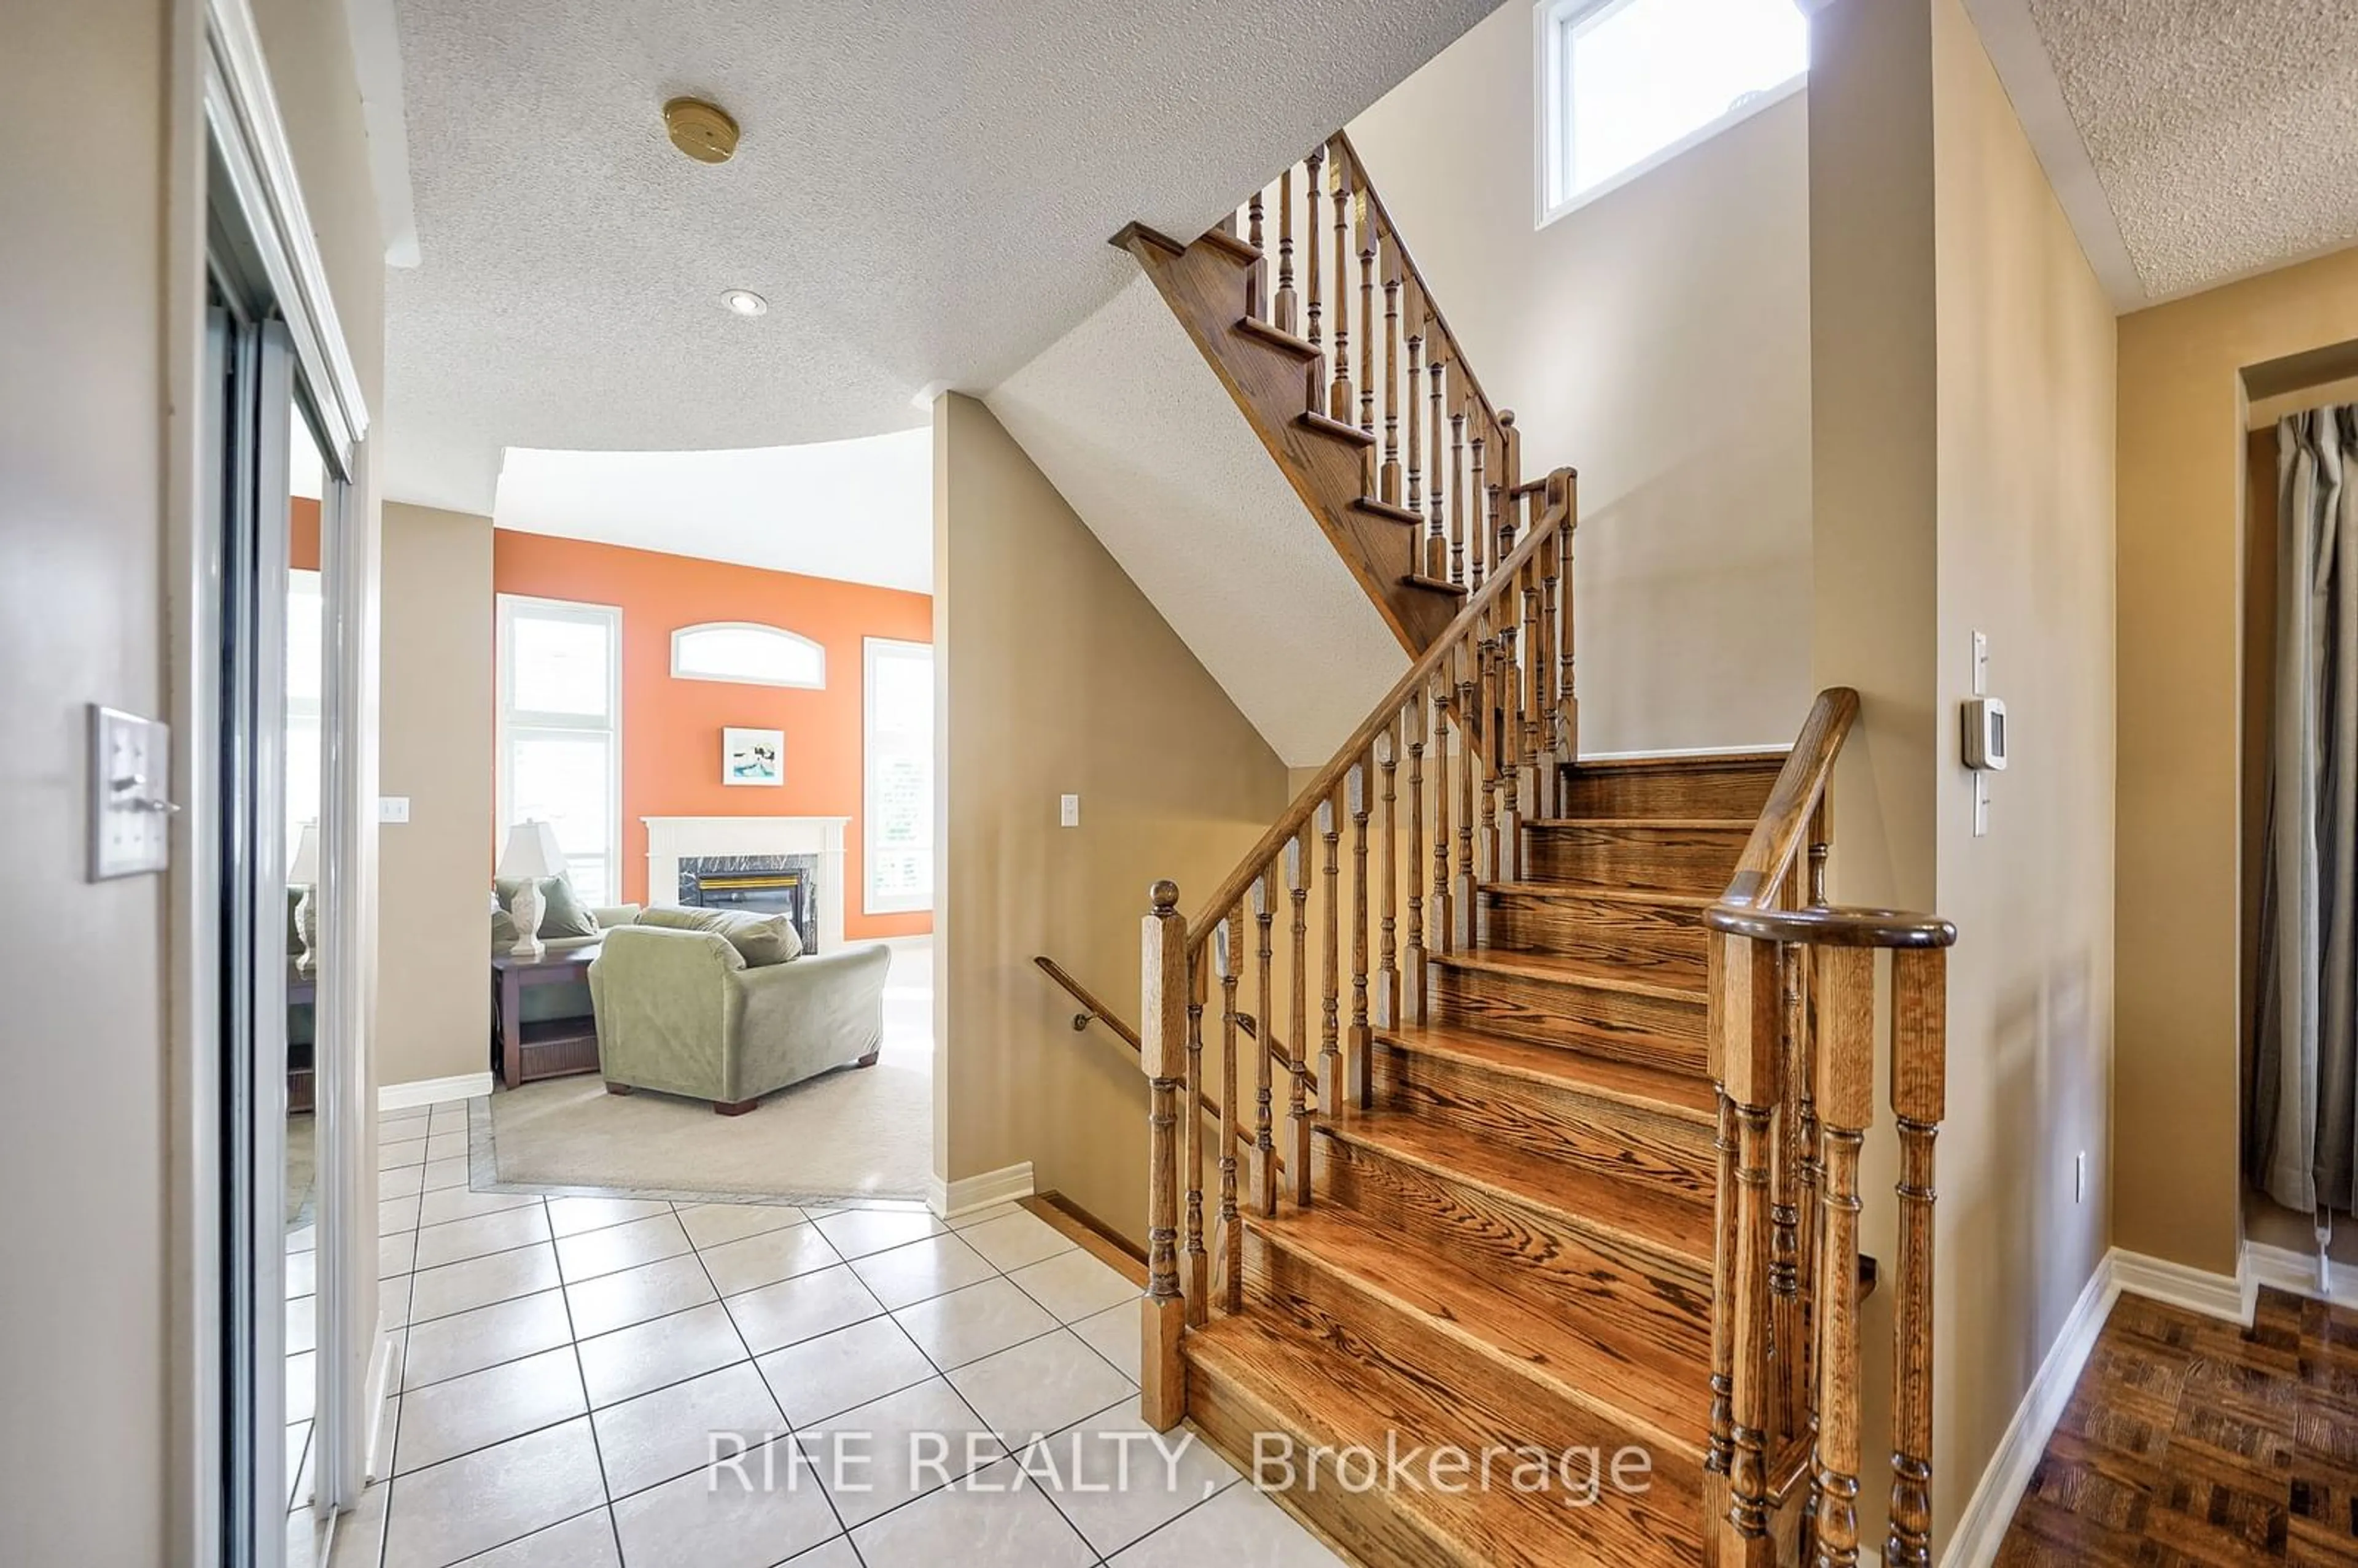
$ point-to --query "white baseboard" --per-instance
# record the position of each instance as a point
(379, 1384)
(950, 1199)
(432, 1091)
(2175, 1284)
(2296, 1271)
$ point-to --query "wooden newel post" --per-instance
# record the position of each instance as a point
(1162, 1049)
(1918, 1078)
(1846, 1106)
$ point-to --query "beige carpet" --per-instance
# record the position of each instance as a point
(853, 1132)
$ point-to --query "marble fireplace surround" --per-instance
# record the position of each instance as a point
(671, 839)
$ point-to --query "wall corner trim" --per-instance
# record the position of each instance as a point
(948, 1200)
(432, 1091)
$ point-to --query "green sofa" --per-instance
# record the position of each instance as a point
(682, 1012)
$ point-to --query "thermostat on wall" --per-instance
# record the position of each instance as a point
(1985, 734)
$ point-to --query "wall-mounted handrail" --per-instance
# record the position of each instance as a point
(1092, 1010)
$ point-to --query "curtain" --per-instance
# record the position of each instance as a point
(2305, 1086)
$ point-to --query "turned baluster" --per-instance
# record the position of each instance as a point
(1415, 501)
(1339, 400)
(1719, 1457)
(1162, 1051)
(1845, 1105)
(1264, 1156)
(1436, 543)
(1199, 1260)
(1389, 477)
(1297, 1034)
(1257, 274)
(1355, 1063)
(1567, 691)
(1458, 564)
(1314, 184)
(1228, 948)
(1530, 683)
(1544, 671)
(1468, 659)
(1919, 1078)
(1367, 244)
(1386, 1001)
(1413, 1009)
(1483, 534)
(1444, 929)
(1748, 1015)
(1494, 754)
(1330, 1081)
(1289, 308)
(1791, 1398)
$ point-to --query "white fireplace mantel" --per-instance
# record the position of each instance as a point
(671, 839)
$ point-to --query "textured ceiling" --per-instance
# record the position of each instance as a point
(2224, 137)
(1136, 432)
(923, 194)
(861, 511)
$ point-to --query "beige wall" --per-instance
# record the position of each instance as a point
(84, 1366)
(2176, 1087)
(2027, 378)
(434, 1009)
(1059, 677)
(1657, 340)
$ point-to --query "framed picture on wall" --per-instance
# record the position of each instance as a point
(752, 756)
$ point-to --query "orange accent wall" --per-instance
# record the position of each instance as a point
(302, 534)
(671, 728)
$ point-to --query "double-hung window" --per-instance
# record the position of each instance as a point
(560, 732)
(1628, 85)
(897, 820)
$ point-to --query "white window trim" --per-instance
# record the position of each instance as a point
(611, 617)
(815, 646)
(920, 902)
(1552, 160)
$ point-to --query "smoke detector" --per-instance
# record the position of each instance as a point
(703, 130)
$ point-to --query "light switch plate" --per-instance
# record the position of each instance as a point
(393, 809)
(1069, 810)
(130, 808)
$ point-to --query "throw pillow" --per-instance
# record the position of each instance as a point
(760, 939)
(562, 913)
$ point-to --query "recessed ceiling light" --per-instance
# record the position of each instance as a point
(745, 302)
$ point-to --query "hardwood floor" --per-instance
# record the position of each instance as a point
(2193, 1441)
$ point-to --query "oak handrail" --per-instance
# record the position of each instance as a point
(1784, 825)
(1322, 786)
(1824, 926)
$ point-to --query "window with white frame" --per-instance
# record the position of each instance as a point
(747, 652)
(1630, 84)
(560, 732)
(897, 818)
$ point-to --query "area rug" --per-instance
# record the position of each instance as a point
(856, 1133)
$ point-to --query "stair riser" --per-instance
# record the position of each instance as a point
(1659, 942)
(1655, 1032)
(1661, 860)
(1667, 1154)
(1652, 1309)
(1519, 1402)
(1725, 789)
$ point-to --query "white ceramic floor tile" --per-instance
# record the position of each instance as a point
(1075, 1285)
(768, 1256)
(396, 1214)
(402, 1125)
(968, 1325)
(585, 1540)
(442, 1174)
(836, 1554)
(360, 1534)
(711, 1223)
(407, 1182)
(485, 1336)
(302, 1386)
(856, 1232)
(440, 1145)
(981, 1216)
(911, 1443)
(673, 1431)
(1016, 1239)
(750, 1514)
(299, 1447)
(393, 1302)
(798, 1309)
(921, 1270)
(1117, 1489)
(491, 1497)
(633, 1295)
(994, 1519)
(631, 1361)
(302, 1239)
(406, 1151)
(445, 1420)
(396, 1254)
(302, 1271)
(302, 1325)
(570, 1216)
(1041, 1386)
(589, 1253)
(485, 1233)
(1238, 1528)
(479, 1281)
(388, 1427)
(1117, 1333)
(458, 1202)
(830, 1374)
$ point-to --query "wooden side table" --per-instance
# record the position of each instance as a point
(552, 1047)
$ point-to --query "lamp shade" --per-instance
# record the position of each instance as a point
(531, 852)
(305, 869)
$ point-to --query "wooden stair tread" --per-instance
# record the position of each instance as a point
(1278, 337)
(1671, 1412)
(1243, 250)
(1435, 585)
(1311, 419)
(1561, 970)
(1602, 891)
(1764, 759)
(1579, 1200)
(1341, 1397)
(1651, 1088)
(1377, 508)
(1691, 824)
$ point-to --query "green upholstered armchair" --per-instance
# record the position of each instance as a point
(681, 1012)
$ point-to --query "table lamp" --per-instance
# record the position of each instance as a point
(531, 854)
(304, 876)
